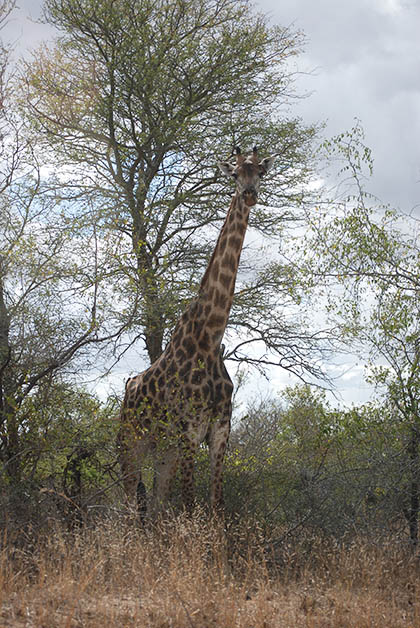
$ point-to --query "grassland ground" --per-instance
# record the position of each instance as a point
(194, 573)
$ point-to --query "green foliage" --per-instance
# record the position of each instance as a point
(66, 454)
(369, 257)
(298, 463)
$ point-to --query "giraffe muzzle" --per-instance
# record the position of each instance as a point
(250, 197)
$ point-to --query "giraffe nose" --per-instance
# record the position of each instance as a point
(250, 195)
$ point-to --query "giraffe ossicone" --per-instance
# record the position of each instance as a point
(184, 397)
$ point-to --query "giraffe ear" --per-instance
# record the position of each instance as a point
(226, 168)
(266, 163)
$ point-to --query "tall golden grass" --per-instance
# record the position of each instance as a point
(195, 573)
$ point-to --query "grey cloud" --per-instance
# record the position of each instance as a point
(366, 56)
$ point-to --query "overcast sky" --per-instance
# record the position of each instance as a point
(365, 58)
(363, 61)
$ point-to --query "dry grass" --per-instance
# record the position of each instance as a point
(189, 573)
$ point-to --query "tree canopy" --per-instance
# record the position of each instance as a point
(135, 103)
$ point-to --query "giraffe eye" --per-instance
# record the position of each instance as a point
(235, 175)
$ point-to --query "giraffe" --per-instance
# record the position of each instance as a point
(184, 397)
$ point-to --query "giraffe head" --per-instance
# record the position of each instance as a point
(247, 172)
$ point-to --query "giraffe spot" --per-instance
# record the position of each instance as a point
(205, 391)
(197, 396)
(241, 220)
(161, 381)
(180, 355)
(216, 320)
(197, 376)
(197, 327)
(141, 401)
(228, 386)
(207, 310)
(171, 370)
(191, 310)
(189, 346)
(223, 242)
(218, 395)
(229, 262)
(215, 270)
(211, 389)
(221, 300)
(144, 390)
(225, 280)
(177, 337)
(204, 342)
(235, 243)
(152, 387)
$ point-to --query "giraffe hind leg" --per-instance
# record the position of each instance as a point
(217, 441)
(141, 500)
(187, 468)
(130, 458)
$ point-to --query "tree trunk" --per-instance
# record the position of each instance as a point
(153, 310)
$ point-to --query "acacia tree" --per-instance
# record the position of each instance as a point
(138, 100)
(370, 257)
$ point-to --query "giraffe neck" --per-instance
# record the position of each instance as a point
(218, 284)
(201, 327)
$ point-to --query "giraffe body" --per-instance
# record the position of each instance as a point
(184, 397)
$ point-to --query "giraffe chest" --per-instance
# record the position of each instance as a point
(173, 400)
(196, 377)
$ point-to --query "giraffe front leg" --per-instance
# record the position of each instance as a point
(189, 451)
(218, 437)
(166, 462)
(130, 453)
